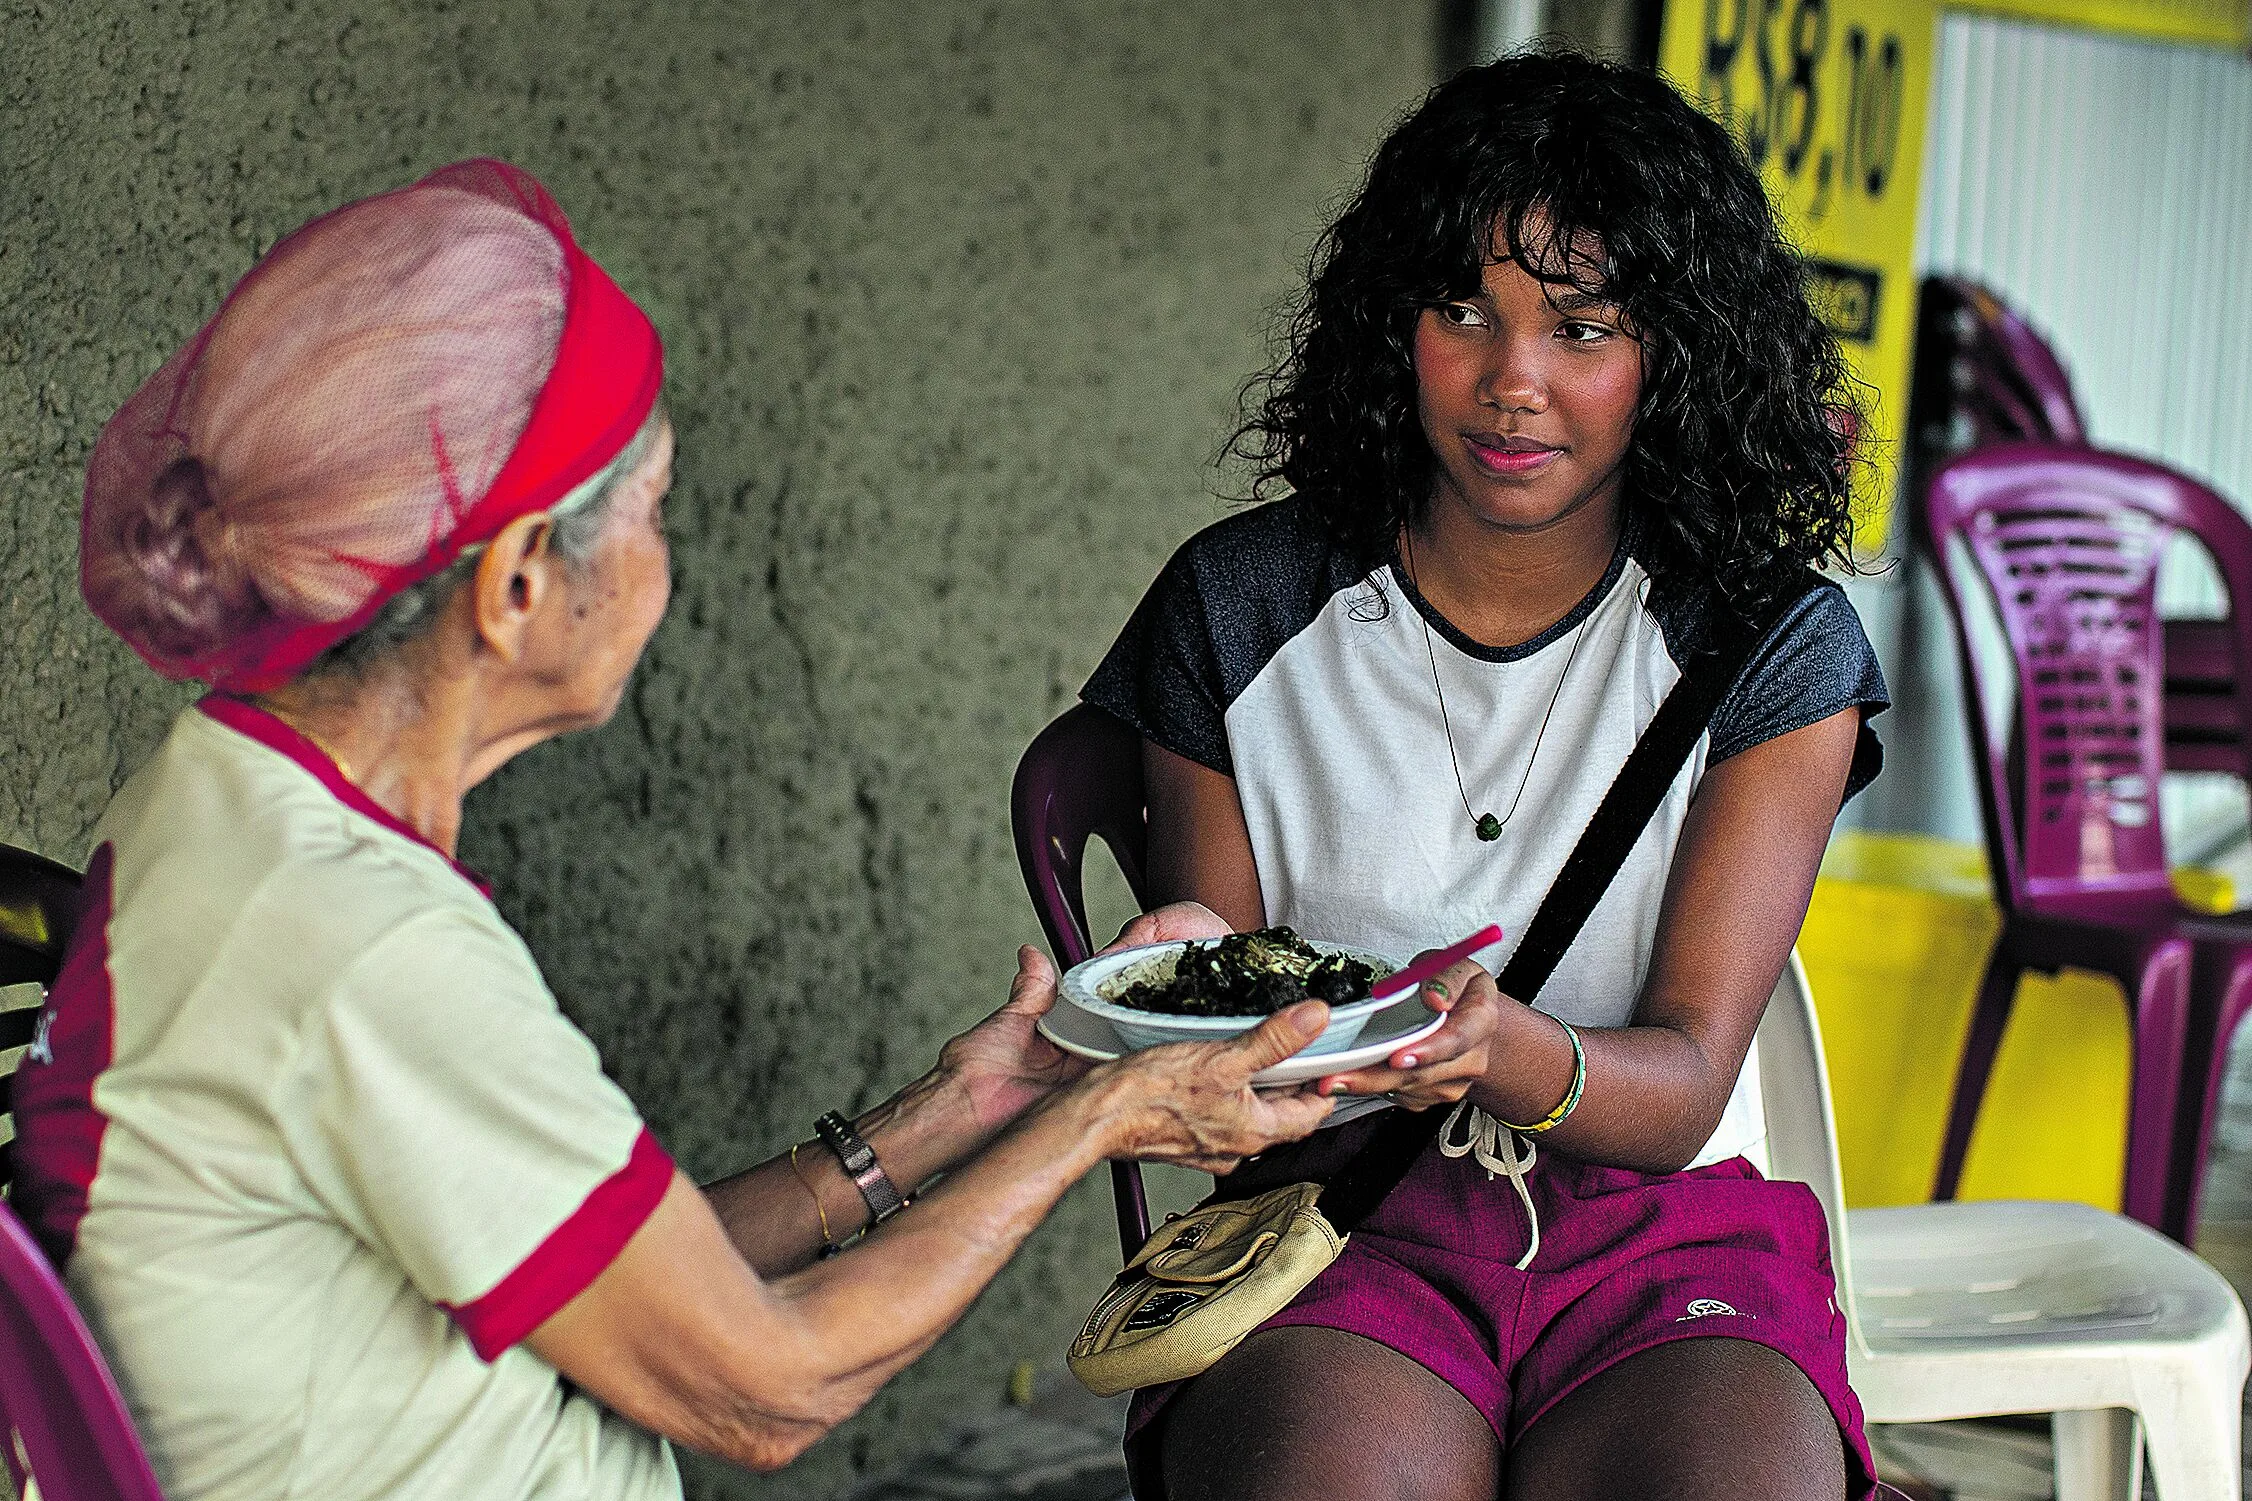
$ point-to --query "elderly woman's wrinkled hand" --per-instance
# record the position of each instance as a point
(1192, 1103)
(1441, 1068)
(1003, 1065)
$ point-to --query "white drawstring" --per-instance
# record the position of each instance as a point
(1493, 1146)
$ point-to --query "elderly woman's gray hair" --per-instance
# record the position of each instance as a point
(579, 520)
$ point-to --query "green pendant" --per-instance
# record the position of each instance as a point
(1489, 827)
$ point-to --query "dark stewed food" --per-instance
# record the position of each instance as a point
(1250, 974)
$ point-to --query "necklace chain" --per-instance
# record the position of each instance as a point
(319, 744)
(1488, 827)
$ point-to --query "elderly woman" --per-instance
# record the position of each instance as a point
(349, 1203)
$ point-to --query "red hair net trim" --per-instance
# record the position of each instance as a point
(392, 384)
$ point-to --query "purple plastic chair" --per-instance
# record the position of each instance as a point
(1983, 375)
(1081, 779)
(1993, 368)
(2206, 664)
(56, 1395)
(2204, 719)
(58, 1405)
(2208, 706)
(2068, 541)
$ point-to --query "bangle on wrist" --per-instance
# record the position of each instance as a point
(1571, 1099)
(829, 1246)
(858, 1159)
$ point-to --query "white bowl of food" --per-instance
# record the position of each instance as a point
(1199, 989)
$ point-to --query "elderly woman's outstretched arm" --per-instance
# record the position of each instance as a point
(683, 1335)
(780, 1213)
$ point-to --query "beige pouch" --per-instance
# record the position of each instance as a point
(1201, 1283)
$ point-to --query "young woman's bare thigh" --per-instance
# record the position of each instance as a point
(1307, 1414)
(1689, 1420)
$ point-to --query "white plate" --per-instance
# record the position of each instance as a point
(1404, 1021)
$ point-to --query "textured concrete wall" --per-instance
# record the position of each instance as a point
(957, 297)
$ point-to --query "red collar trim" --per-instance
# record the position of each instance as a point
(246, 718)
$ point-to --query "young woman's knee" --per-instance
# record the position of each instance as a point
(1307, 1414)
(1693, 1419)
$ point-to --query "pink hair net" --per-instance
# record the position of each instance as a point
(395, 382)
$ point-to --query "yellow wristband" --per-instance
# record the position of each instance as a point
(1571, 1099)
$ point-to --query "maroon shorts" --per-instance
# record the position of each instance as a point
(1627, 1261)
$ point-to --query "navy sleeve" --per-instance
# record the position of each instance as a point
(1815, 662)
(1163, 676)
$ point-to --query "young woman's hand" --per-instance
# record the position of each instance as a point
(1439, 1069)
(1192, 1102)
(1170, 924)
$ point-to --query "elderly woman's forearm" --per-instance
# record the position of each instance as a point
(681, 1335)
(893, 1295)
(687, 1341)
(879, 1307)
(777, 1213)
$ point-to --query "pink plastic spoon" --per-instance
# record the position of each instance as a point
(1435, 962)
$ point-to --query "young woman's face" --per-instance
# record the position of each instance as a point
(1527, 393)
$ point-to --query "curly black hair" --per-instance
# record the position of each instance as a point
(1738, 471)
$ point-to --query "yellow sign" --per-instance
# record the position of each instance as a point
(2217, 23)
(1828, 99)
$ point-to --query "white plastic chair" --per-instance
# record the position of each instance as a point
(1971, 1310)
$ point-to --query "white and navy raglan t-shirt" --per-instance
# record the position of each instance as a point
(1270, 655)
(315, 1148)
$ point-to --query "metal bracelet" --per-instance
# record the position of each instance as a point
(860, 1165)
(829, 1246)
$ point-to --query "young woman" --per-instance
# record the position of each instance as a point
(1554, 408)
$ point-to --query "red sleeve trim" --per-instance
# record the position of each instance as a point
(572, 1257)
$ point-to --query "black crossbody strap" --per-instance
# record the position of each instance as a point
(1400, 1136)
(1621, 817)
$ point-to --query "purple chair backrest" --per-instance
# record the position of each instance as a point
(2035, 363)
(2204, 716)
(59, 1409)
(1986, 364)
(1080, 779)
(2068, 541)
(2208, 684)
(56, 1396)
(2006, 377)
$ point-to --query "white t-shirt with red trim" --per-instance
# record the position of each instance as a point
(316, 1149)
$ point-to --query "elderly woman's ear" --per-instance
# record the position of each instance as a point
(520, 575)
